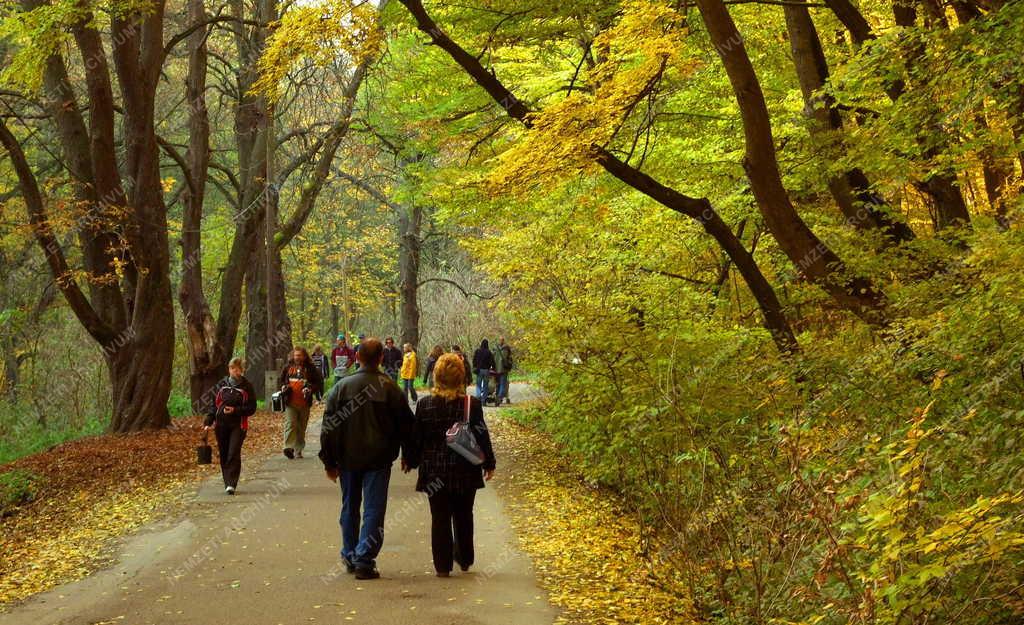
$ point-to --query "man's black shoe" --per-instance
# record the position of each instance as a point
(289, 453)
(367, 573)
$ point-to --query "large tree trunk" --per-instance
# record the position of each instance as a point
(700, 210)
(410, 244)
(811, 256)
(133, 322)
(863, 208)
(140, 373)
(207, 356)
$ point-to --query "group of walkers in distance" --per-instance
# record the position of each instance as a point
(368, 424)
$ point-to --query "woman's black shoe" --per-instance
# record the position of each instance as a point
(464, 567)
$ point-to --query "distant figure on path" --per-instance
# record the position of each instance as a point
(503, 365)
(366, 422)
(300, 380)
(428, 375)
(483, 362)
(409, 367)
(392, 359)
(465, 363)
(234, 402)
(342, 358)
(319, 359)
(449, 480)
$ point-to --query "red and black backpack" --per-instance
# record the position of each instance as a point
(234, 396)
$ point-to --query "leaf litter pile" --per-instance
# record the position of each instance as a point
(87, 493)
(584, 544)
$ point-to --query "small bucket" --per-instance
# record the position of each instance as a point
(204, 453)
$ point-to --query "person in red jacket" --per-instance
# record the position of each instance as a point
(300, 380)
(343, 357)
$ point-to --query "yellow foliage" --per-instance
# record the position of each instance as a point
(319, 33)
(633, 55)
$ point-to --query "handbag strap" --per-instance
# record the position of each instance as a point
(467, 407)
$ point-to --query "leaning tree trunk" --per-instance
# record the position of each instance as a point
(410, 244)
(863, 208)
(812, 257)
(206, 354)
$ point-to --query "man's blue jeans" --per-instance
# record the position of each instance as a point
(361, 542)
(502, 386)
(482, 383)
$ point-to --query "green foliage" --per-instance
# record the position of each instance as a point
(179, 405)
(22, 434)
(872, 479)
(17, 487)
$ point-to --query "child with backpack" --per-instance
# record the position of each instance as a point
(234, 402)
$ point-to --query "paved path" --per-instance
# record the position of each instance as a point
(269, 556)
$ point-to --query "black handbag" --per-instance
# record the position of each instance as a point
(278, 400)
(204, 453)
(461, 440)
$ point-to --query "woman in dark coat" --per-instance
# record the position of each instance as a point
(428, 375)
(234, 402)
(449, 481)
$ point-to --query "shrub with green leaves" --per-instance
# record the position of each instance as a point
(17, 487)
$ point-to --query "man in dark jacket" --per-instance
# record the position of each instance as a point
(366, 423)
(392, 359)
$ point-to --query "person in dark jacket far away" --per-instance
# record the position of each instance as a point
(300, 380)
(465, 362)
(392, 359)
(319, 359)
(428, 375)
(367, 421)
(234, 402)
(503, 365)
(449, 480)
(483, 362)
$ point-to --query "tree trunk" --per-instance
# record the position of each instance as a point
(853, 20)
(207, 356)
(11, 368)
(811, 256)
(133, 324)
(863, 209)
(140, 376)
(409, 224)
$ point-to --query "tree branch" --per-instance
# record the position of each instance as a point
(52, 250)
(458, 286)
